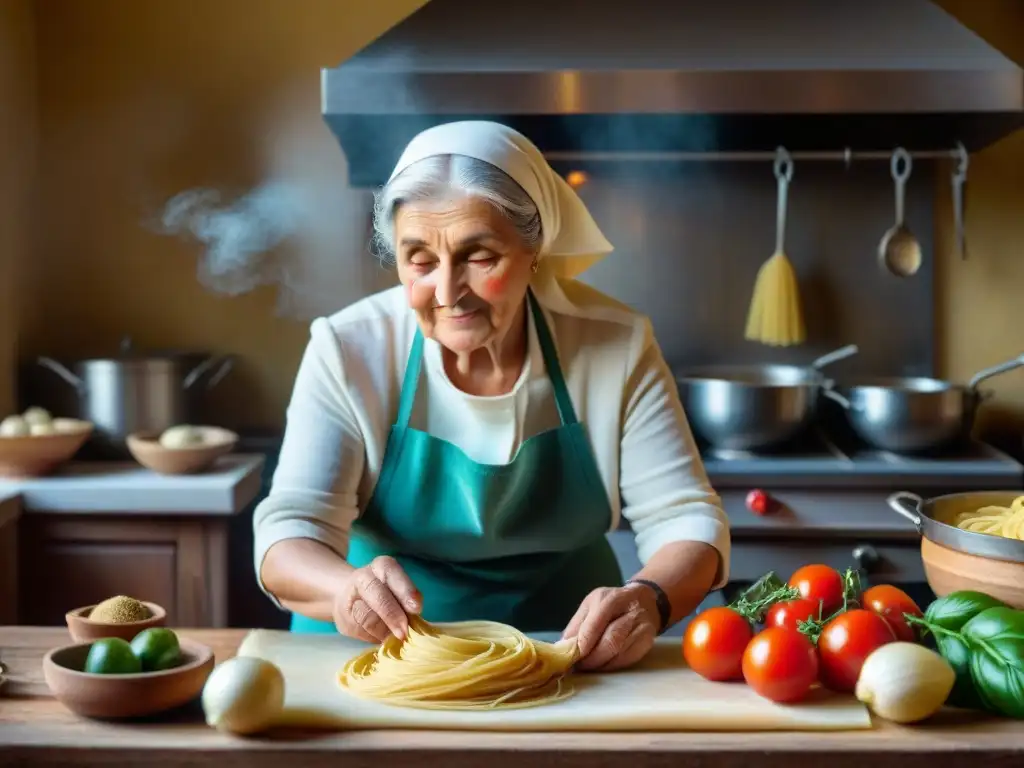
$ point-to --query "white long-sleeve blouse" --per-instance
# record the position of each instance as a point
(345, 400)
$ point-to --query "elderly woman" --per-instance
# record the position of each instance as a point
(458, 446)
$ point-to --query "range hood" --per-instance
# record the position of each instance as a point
(648, 78)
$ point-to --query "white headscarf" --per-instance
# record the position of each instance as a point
(572, 241)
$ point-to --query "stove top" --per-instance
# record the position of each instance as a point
(821, 459)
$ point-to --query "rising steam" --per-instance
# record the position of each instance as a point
(240, 236)
(303, 230)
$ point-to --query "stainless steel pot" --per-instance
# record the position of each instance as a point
(749, 408)
(139, 392)
(914, 415)
(934, 518)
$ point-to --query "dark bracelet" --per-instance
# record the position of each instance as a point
(661, 599)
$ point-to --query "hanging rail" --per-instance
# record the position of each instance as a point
(847, 156)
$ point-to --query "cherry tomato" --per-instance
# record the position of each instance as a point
(714, 643)
(780, 664)
(758, 502)
(819, 583)
(844, 644)
(891, 603)
(790, 613)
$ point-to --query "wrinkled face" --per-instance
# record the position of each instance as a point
(465, 270)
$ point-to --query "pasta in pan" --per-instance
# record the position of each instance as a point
(994, 520)
(463, 665)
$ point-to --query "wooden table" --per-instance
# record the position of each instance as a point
(36, 730)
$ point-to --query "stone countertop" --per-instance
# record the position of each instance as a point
(35, 729)
(113, 487)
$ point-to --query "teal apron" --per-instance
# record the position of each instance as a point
(521, 543)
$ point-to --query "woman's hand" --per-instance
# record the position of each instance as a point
(373, 601)
(615, 627)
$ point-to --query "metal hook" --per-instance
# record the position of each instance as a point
(900, 157)
(783, 164)
(962, 160)
(847, 157)
(958, 180)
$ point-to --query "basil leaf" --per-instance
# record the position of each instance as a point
(957, 608)
(953, 650)
(996, 640)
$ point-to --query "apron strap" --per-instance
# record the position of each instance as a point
(411, 380)
(566, 411)
(547, 347)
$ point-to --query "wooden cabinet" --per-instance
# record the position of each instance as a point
(177, 561)
(10, 511)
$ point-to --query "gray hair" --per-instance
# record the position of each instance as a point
(434, 177)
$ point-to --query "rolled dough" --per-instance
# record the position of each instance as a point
(661, 694)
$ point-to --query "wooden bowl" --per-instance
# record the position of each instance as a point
(124, 696)
(948, 570)
(146, 449)
(35, 455)
(84, 629)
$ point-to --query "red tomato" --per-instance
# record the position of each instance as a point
(844, 644)
(758, 502)
(780, 664)
(714, 643)
(819, 583)
(891, 603)
(790, 613)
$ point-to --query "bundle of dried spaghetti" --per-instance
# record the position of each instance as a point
(463, 665)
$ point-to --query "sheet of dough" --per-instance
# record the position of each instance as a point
(661, 694)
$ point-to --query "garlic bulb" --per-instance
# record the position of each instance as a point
(41, 428)
(905, 682)
(243, 695)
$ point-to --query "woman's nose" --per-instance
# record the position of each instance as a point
(450, 286)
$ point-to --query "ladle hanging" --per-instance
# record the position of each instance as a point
(899, 253)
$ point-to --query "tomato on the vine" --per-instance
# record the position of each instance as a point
(791, 613)
(714, 643)
(820, 583)
(891, 603)
(844, 644)
(780, 664)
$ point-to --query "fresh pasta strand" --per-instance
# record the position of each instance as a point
(995, 520)
(462, 665)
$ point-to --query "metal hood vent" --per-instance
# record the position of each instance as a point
(619, 77)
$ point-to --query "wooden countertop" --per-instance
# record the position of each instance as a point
(36, 730)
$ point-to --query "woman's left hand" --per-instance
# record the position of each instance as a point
(615, 627)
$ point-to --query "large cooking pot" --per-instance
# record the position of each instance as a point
(748, 408)
(914, 415)
(955, 559)
(138, 391)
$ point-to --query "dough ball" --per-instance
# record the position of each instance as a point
(64, 426)
(181, 436)
(14, 426)
(36, 415)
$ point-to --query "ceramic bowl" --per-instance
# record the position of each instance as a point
(126, 696)
(36, 455)
(948, 570)
(84, 629)
(146, 449)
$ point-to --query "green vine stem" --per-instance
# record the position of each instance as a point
(755, 601)
(852, 591)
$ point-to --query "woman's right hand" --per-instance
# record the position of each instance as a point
(374, 600)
